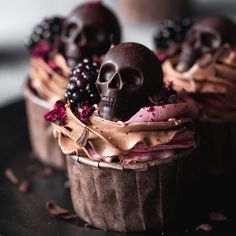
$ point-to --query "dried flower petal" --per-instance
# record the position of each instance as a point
(54, 66)
(150, 109)
(161, 57)
(57, 115)
(86, 112)
(41, 50)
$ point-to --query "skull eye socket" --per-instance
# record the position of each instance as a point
(131, 78)
(209, 40)
(70, 29)
(93, 34)
(106, 73)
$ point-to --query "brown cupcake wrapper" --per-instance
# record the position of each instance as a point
(216, 154)
(130, 199)
(44, 146)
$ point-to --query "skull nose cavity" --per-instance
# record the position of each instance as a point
(115, 82)
(81, 40)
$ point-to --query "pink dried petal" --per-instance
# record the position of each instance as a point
(150, 109)
(86, 112)
(54, 66)
(41, 50)
(57, 115)
(161, 57)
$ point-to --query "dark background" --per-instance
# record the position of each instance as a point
(17, 19)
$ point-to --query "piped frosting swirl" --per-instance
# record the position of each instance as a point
(211, 81)
(138, 139)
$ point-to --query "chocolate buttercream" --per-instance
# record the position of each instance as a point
(212, 81)
(105, 140)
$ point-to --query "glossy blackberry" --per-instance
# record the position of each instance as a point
(48, 30)
(171, 31)
(81, 86)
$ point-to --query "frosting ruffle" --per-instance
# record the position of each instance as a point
(212, 77)
(49, 78)
(105, 140)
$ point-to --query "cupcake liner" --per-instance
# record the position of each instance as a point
(215, 156)
(44, 146)
(134, 198)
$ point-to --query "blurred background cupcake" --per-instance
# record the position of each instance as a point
(56, 45)
(205, 67)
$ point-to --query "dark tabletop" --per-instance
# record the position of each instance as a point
(25, 213)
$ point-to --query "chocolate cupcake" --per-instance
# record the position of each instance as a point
(206, 68)
(128, 156)
(56, 45)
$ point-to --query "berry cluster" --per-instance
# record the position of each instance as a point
(81, 86)
(171, 31)
(48, 30)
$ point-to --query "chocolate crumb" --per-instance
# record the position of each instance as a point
(216, 216)
(43, 172)
(204, 227)
(58, 211)
(67, 184)
(24, 186)
(32, 169)
(11, 176)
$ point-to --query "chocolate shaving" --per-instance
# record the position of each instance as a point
(31, 169)
(58, 211)
(82, 140)
(216, 216)
(204, 227)
(24, 186)
(43, 172)
(67, 184)
(11, 176)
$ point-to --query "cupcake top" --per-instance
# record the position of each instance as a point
(169, 35)
(155, 126)
(205, 67)
(58, 44)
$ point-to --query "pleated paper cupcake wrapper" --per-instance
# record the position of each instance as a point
(44, 146)
(131, 198)
(216, 155)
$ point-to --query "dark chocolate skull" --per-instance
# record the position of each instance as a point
(129, 76)
(89, 30)
(205, 36)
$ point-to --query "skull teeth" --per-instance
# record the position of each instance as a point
(109, 101)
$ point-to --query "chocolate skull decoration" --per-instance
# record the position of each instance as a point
(89, 30)
(205, 36)
(130, 74)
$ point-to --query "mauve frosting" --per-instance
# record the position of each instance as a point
(152, 133)
(211, 81)
(184, 108)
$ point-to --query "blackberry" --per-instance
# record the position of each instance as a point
(81, 86)
(171, 31)
(48, 30)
